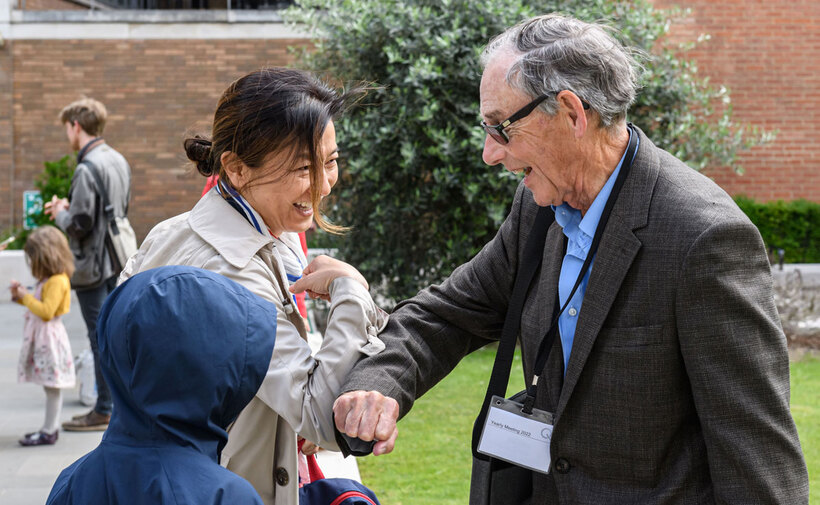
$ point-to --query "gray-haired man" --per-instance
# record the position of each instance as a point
(669, 378)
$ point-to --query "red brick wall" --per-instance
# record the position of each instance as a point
(154, 90)
(768, 54)
(6, 155)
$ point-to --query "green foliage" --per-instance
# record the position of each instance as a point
(55, 179)
(791, 226)
(415, 190)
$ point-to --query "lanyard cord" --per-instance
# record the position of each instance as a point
(546, 344)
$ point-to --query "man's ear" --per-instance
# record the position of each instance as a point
(75, 127)
(573, 107)
(236, 170)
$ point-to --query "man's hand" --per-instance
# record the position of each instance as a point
(55, 206)
(368, 415)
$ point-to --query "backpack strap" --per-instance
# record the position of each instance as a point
(108, 209)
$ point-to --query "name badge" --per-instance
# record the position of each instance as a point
(516, 437)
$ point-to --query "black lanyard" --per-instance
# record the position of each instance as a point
(86, 147)
(547, 343)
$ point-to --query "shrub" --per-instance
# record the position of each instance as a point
(55, 179)
(415, 190)
(791, 226)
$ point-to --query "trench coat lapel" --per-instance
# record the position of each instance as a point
(618, 249)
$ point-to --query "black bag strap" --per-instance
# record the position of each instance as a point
(500, 376)
(108, 209)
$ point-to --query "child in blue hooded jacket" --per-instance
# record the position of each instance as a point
(183, 351)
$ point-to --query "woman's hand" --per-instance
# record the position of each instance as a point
(308, 447)
(318, 275)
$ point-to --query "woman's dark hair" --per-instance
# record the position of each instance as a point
(270, 110)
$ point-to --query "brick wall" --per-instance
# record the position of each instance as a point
(6, 139)
(768, 54)
(154, 90)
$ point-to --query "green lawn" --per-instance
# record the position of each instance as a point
(431, 462)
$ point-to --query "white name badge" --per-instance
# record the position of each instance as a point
(518, 438)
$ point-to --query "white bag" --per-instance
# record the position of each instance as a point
(123, 239)
(84, 365)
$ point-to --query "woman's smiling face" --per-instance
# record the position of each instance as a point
(282, 195)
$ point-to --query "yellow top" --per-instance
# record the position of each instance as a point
(55, 298)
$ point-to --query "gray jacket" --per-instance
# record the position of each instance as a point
(83, 221)
(677, 387)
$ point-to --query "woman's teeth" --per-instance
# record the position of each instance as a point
(303, 206)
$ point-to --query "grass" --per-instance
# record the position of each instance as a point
(805, 379)
(431, 461)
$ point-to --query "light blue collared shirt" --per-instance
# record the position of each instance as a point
(579, 231)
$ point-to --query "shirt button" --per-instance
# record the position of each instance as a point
(281, 476)
(572, 311)
(561, 465)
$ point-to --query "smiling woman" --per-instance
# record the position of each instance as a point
(274, 149)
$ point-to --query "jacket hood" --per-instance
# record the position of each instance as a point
(183, 351)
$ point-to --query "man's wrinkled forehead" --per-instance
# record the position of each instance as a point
(495, 91)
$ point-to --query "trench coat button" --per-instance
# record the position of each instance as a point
(561, 465)
(281, 476)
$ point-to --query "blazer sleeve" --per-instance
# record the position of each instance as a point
(736, 358)
(78, 220)
(54, 292)
(430, 333)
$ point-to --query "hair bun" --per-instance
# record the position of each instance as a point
(198, 150)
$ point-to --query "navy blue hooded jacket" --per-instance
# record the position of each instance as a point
(183, 351)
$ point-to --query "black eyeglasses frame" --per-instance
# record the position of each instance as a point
(497, 131)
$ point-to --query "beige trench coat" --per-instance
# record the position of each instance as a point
(298, 392)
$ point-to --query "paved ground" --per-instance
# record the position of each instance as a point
(27, 473)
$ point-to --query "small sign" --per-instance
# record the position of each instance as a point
(32, 206)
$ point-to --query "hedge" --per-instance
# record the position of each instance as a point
(792, 226)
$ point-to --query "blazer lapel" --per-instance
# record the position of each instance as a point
(547, 293)
(618, 249)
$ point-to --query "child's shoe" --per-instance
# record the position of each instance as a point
(39, 438)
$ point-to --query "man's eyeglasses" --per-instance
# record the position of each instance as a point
(496, 131)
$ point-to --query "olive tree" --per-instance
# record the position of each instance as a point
(414, 190)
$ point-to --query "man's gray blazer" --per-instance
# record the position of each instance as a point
(677, 387)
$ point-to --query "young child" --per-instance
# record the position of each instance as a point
(183, 350)
(45, 358)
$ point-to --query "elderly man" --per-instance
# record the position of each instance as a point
(668, 380)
